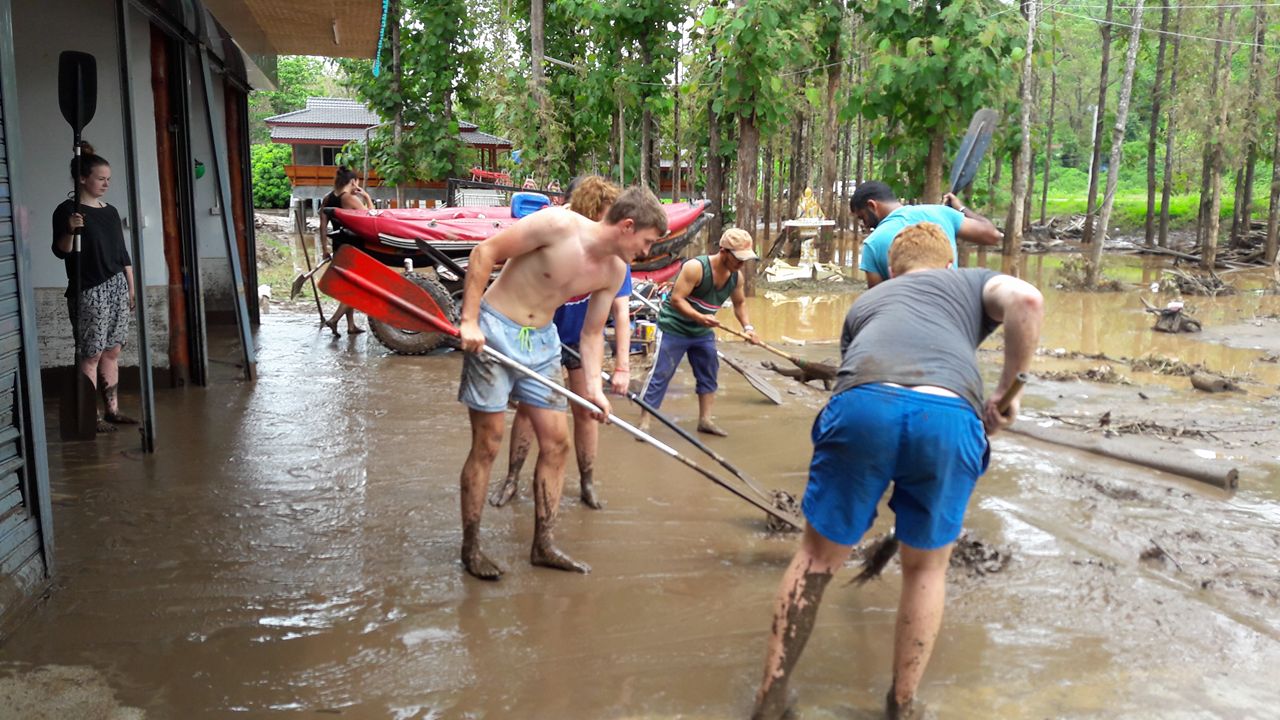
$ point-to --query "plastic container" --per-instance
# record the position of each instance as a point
(527, 203)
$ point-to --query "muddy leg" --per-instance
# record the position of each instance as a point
(521, 439)
(705, 424)
(548, 481)
(586, 440)
(794, 613)
(924, 590)
(486, 437)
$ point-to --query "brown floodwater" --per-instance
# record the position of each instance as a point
(293, 548)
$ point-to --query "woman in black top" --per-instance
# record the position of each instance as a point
(348, 195)
(106, 281)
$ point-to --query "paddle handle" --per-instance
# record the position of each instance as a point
(1005, 400)
(763, 344)
(635, 432)
(444, 326)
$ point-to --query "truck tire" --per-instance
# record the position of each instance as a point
(410, 342)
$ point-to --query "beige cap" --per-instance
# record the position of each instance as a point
(739, 243)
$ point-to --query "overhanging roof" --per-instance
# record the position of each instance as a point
(331, 28)
(337, 121)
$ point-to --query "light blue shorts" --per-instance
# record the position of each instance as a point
(536, 348)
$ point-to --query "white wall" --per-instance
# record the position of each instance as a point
(89, 26)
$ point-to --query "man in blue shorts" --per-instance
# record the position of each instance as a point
(908, 410)
(881, 213)
(551, 256)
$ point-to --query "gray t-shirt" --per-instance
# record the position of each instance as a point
(922, 328)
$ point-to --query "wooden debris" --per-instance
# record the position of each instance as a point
(1102, 373)
(1212, 383)
(1172, 319)
(1208, 284)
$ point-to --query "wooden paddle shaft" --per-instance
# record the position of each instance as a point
(763, 344)
(1018, 381)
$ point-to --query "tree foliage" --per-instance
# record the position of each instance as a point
(439, 65)
(271, 188)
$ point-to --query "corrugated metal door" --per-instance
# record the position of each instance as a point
(23, 553)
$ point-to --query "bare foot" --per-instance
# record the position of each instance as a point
(117, 418)
(354, 329)
(644, 429)
(710, 428)
(505, 492)
(479, 565)
(104, 427)
(545, 554)
(333, 327)
(589, 495)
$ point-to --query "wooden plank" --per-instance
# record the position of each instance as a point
(25, 582)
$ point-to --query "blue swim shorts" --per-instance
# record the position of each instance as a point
(535, 348)
(932, 448)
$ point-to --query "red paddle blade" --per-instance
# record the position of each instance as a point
(381, 293)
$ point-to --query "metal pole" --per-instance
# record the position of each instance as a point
(146, 381)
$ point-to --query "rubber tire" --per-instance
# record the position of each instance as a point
(408, 342)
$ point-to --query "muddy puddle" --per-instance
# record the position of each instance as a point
(292, 550)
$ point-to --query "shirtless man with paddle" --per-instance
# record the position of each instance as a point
(551, 256)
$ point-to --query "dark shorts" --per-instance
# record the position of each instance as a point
(672, 348)
(932, 448)
(570, 360)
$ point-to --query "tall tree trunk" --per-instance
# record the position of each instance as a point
(1095, 165)
(796, 176)
(1273, 214)
(748, 170)
(767, 191)
(715, 177)
(1048, 146)
(537, 19)
(1154, 128)
(1166, 184)
(1209, 246)
(933, 167)
(676, 191)
(1244, 205)
(830, 143)
(397, 77)
(1022, 164)
(1206, 152)
(1117, 149)
(842, 216)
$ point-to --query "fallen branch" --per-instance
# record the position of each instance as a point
(1191, 468)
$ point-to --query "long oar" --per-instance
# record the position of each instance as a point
(883, 550)
(681, 432)
(762, 386)
(78, 101)
(822, 369)
(360, 281)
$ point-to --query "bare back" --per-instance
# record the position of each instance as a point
(562, 258)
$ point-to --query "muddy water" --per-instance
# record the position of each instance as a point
(294, 548)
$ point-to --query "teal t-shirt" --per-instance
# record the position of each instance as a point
(875, 249)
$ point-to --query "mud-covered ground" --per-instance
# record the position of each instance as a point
(292, 549)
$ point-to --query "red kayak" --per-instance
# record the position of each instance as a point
(391, 235)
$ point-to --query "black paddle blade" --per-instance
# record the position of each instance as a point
(973, 148)
(77, 88)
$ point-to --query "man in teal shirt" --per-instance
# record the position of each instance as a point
(881, 213)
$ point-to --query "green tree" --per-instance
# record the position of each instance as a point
(436, 77)
(931, 67)
(271, 188)
(298, 77)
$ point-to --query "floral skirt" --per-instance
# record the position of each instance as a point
(106, 317)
